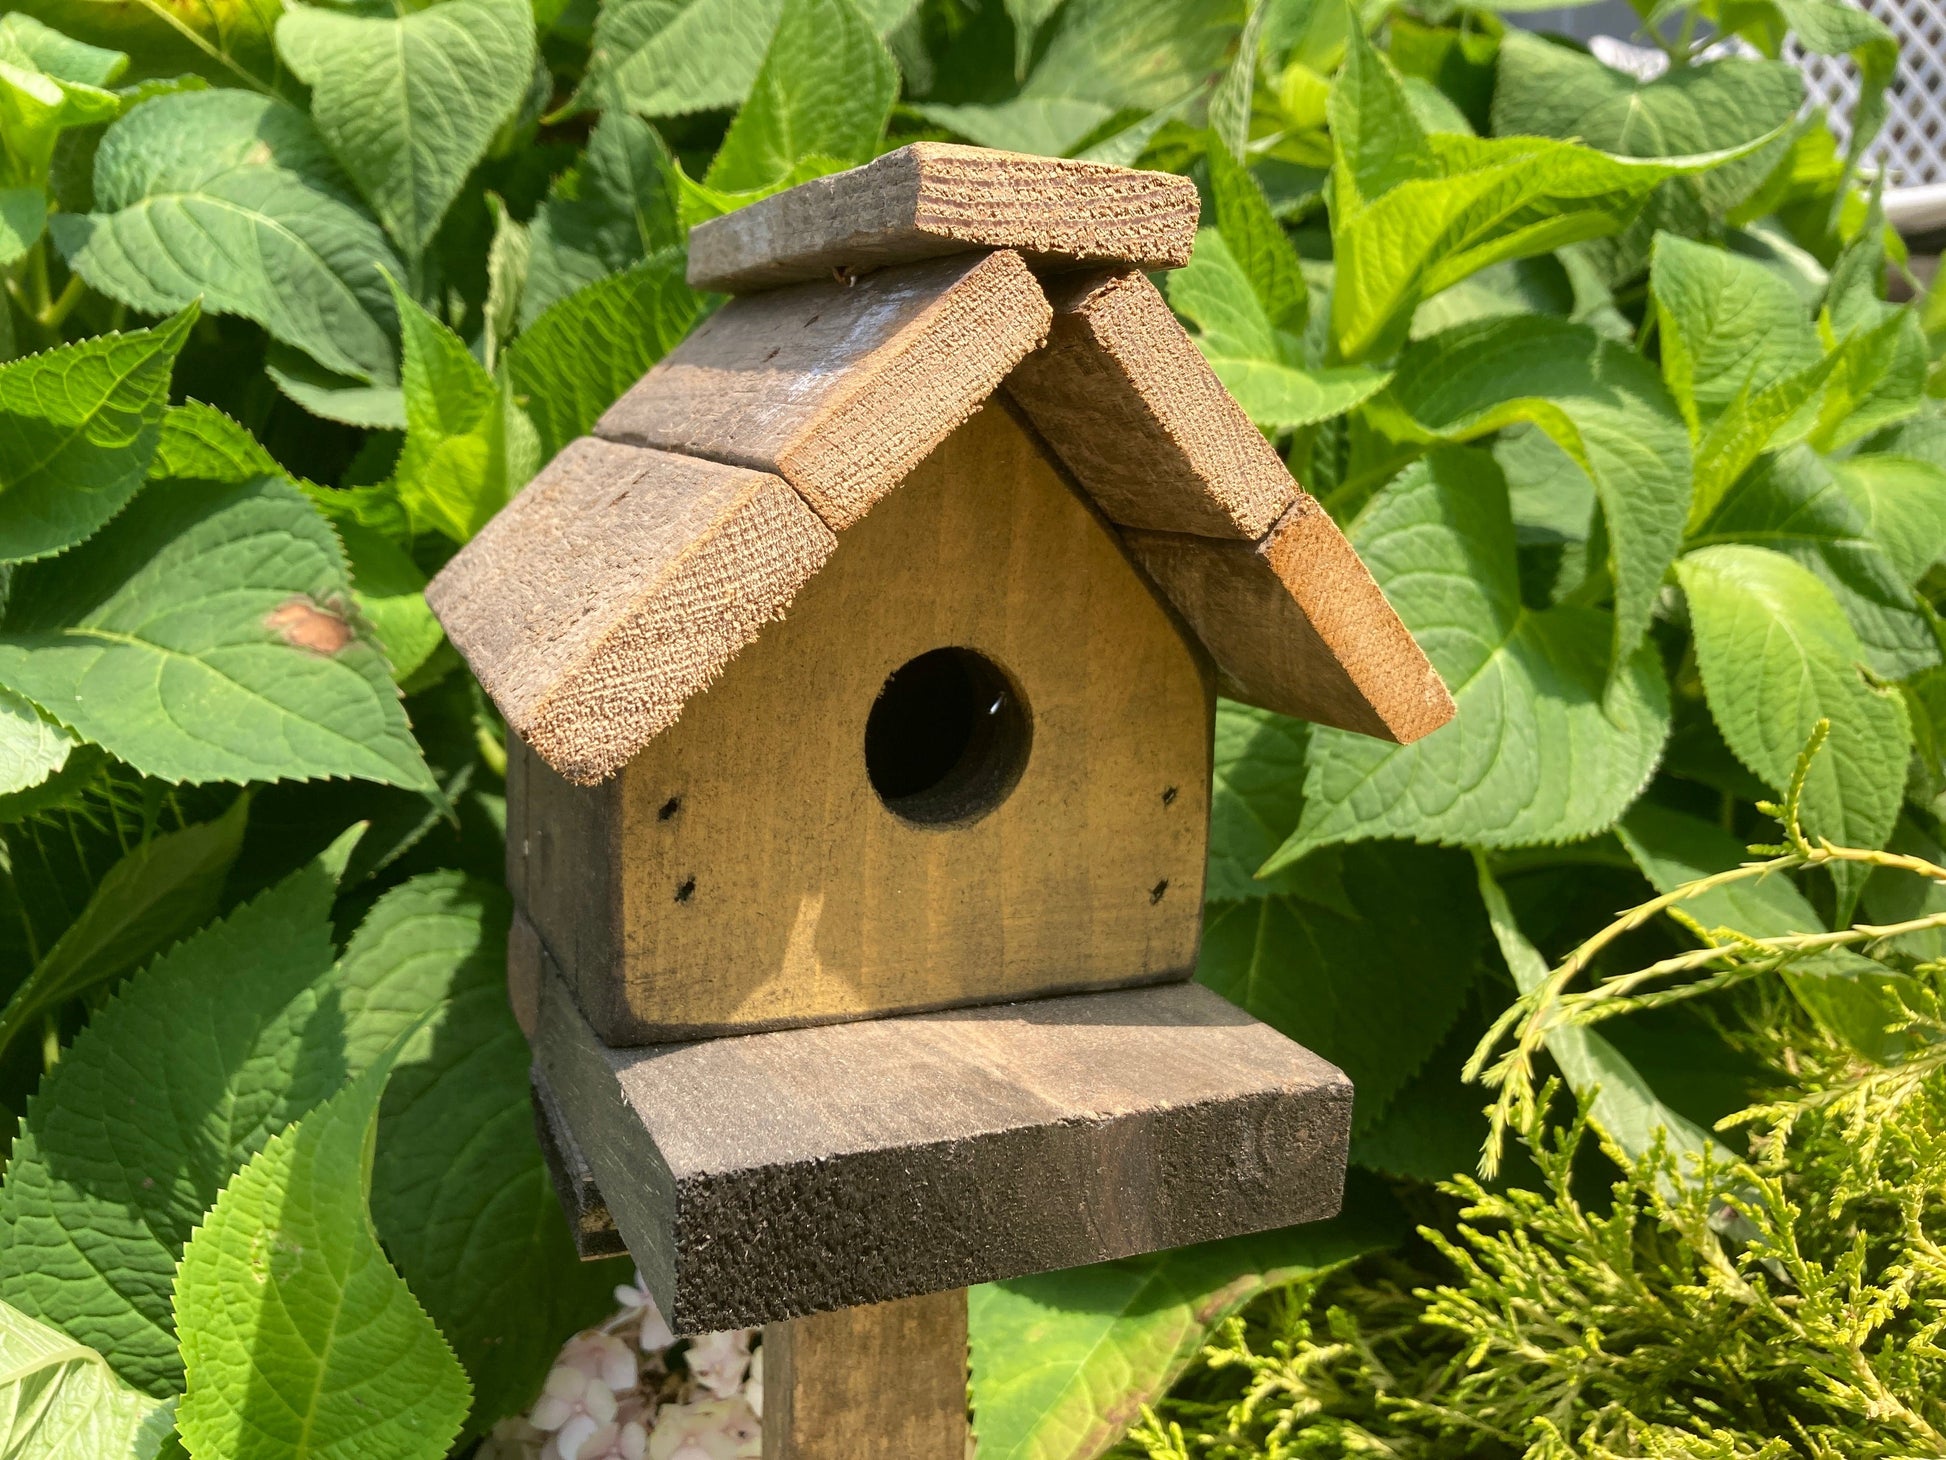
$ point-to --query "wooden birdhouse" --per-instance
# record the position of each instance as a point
(860, 669)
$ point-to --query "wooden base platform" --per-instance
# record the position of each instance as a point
(767, 1176)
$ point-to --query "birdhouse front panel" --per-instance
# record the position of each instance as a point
(972, 764)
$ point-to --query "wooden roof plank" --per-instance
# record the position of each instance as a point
(840, 388)
(617, 585)
(930, 199)
(1127, 401)
(1296, 624)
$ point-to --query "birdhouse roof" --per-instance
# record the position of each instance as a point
(877, 310)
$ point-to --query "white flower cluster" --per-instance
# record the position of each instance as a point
(603, 1401)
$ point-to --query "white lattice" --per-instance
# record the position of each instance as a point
(1912, 147)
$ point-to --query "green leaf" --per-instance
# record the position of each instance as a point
(158, 892)
(26, 42)
(1028, 17)
(1868, 527)
(1371, 979)
(343, 398)
(61, 1401)
(1599, 401)
(825, 89)
(1541, 751)
(229, 1037)
(198, 443)
(78, 425)
(1625, 1108)
(468, 446)
(575, 361)
(233, 198)
(37, 104)
(1045, 126)
(1257, 243)
(1777, 655)
(409, 103)
(1142, 55)
(32, 747)
(1374, 131)
(1063, 1362)
(1256, 792)
(460, 1194)
(1729, 326)
(1260, 364)
(207, 635)
(299, 1341)
(507, 259)
(227, 41)
(1833, 28)
(390, 591)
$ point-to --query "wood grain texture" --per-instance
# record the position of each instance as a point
(935, 198)
(617, 585)
(1123, 395)
(582, 1203)
(772, 1175)
(1296, 624)
(742, 873)
(885, 1381)
(841, 389)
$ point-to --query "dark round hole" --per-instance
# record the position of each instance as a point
(947, 737)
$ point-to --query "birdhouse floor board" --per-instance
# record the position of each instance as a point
(767, 1176)
(1295, 624)
(589, 1222)
(1125, 399)
(935, 198)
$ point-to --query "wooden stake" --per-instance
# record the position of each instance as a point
(886, 1382)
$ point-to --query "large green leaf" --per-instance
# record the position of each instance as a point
(32, 747)
(207, 634)
(824, 91)
(1869, 527)
(1064, 1362)
(1599, 401)
(78, 425)
(234, 199)
(1834, 28)
(1366, 960)
(468, 446)
(1259, 363)
(573, 362)
(1256, 792)
(229, 1037)
(1546, 746)
(227, 41)
(459, 1192)
(615, 207)
(1777, 655)
(299, 1341)
(1728, 325)
(59, 1400)
(1257, 242)
(1138, 54)
(48, 84)
(409, 103)
(163, 888)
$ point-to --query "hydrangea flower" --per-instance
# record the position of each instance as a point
(710, 1429)
(638, 1306)
(718, 1361)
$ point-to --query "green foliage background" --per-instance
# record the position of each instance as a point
(1599, 375)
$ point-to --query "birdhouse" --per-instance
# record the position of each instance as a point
(859, 671)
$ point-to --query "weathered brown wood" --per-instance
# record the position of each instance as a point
(886, 1381)
(618, 584)
(743, 873)
(582, 1203)
(936, 198)
(772, 1175)
(1296, 624)
(1123, 396)
(840, 388)
(524, 972)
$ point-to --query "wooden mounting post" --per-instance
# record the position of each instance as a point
(882, 1382)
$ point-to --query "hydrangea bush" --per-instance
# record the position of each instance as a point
(1600, 367)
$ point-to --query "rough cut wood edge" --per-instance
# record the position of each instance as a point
(589, 1223)
(617, 585)
(886, 1381)
(935, 198)
(1127, 401)
(768, 1176)
(840, 388)
(1296, 624)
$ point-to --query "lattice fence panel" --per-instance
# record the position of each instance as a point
(1912, 148)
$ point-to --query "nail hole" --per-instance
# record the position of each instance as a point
(773, 353)
(812, 320)
(1155, 892)
(669, 808)
(1168, 795)
(687, 890)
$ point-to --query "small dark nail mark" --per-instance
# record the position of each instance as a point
(669, 808)
(687, 890)
(1168, 795)
(773, 353)
(1155, 892)
(619, 498)
(812, 320)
